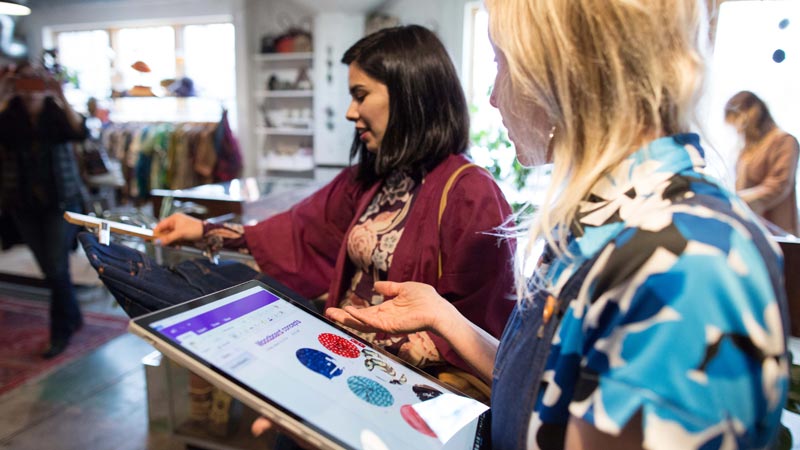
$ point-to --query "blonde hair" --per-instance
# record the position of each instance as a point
(611, 76)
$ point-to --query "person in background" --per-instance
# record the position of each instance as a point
(412, 208)
(40, 180)
(656, 316)
(766, 168)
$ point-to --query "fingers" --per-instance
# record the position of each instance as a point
(360, 315)
(387, 288)
(165, 225)
(177, 227)
(345, 318)
(165, 239)
(166, 232)
(262, 424)
(336, 315)
(259, 426)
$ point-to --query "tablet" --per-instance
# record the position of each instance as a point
(310, 376)
(114, 227)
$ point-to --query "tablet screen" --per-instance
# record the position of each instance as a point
(320, 374)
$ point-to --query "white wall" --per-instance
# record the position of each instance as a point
(445, 17)
(333, 133)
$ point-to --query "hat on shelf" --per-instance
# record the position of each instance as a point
(140, 66)
(182, 87)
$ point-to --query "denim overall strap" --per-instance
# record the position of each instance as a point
(521, 357)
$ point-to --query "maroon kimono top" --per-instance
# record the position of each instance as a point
(305, 247)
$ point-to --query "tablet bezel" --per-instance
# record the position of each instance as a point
(289, 421)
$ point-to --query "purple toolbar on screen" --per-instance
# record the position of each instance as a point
(209, 320)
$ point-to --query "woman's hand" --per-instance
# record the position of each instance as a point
(178, 227)
(417, 307)
(259, 426)
(262, 424)
(413, 307)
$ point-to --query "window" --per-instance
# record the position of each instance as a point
(101, 60)
(209, 59)
(155, 47)
(88, 55)
(491, 146)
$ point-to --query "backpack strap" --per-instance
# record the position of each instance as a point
(443, 203)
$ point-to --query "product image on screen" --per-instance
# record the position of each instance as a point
(337, 384)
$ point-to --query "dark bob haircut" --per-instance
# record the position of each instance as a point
(428, 115)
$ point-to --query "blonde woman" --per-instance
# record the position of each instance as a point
(766, 168)
(656, 317)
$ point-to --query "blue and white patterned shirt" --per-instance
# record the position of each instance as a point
(681, 318)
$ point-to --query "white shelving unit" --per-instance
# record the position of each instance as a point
(284, 122)
(297, 93)
(273, 131)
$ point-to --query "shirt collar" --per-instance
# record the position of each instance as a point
(641, 174)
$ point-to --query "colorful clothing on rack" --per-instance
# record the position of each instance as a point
(173, 156)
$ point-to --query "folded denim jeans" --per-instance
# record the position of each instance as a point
(141, 286)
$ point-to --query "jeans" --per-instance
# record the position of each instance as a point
(50, 238)
(141, 286)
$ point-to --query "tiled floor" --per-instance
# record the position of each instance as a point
(96, 402)
(100, 401)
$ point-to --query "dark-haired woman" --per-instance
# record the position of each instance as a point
(767, 164)
(384, 218)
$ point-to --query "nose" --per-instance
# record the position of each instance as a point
(493, 96)
(352, 111)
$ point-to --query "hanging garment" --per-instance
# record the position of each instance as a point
(229, 157)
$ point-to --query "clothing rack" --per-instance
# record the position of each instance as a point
(158, 154)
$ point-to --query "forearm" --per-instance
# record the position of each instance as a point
(474, 345)
(764, 197)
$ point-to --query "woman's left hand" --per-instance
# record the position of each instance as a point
(262, 424)
(413, 307)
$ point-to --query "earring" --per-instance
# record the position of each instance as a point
(549, 154)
